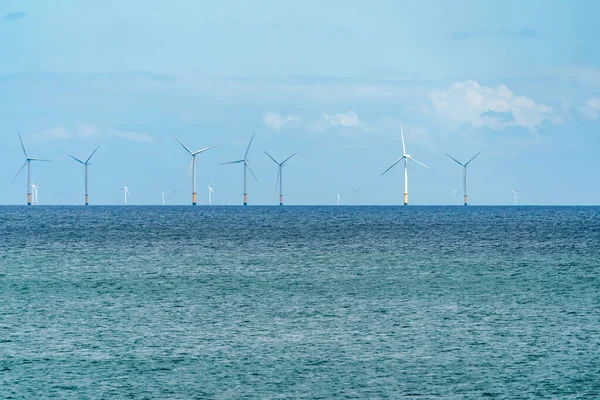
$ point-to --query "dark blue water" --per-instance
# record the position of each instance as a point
(299, 302)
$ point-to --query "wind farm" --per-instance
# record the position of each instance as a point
(27, 164)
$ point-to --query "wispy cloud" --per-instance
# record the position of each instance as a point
(13, 16)
(87, 131)
(50, 135)
(348, 119)
(481, 106)
(591, 109)
(525, 33)
(275, 121)
(133, 136)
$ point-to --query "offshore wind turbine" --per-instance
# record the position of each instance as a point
(246, 167)
(163, 197)
(404, 157)
(338, 199)
(356, 191)
(85, 168)
(456, 193)
(192, 169)
(35, 188)
(27, 164)
(466, 198)
(210, 191)
(280, 174)
(515, 197)
(126, 193)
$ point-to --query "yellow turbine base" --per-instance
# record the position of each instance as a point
(280, 200)
(466, 199)
(245, 199)
(87, 199)
(28, 198)
(193, 198)
(405, 199)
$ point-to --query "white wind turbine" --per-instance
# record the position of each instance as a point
(211, 192)
(404, 157)
(192, 169)
(246, 167)
(163, 197)
(35, 188)
(338, 199)
(280, 175)
(85, 169)
(456, 193)
(126, 193)
(515, 197)
(466, 198)
(27, 163)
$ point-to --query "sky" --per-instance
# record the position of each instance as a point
(333, 81)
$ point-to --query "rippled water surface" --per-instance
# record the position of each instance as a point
(299, 302)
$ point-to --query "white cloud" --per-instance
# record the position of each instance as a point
(481, 106)
(591, 109)
(275, 121)
(50, 135)
(134, 136)
(87, 131)
(349, 119)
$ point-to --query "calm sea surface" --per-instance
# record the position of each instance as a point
(299, 302)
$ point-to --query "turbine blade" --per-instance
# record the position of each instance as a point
(184, 146)
(391, 166)
(249, 144)
(22, 145)
(274, 160)
(76, 159)
(402, 133)
(458, 162)
(21, 169)
(410, 158)
(472, 158)
(204, 149)
(40, 159)
(250, 169)
(286, 160)
(232, 162)
(90, 157)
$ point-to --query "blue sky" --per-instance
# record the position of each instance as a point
(332, 81)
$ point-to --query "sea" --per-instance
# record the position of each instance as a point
(299, 302)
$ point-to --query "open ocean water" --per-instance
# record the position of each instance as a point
(299, 302)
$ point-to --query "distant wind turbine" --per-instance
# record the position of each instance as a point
(515, 197)
(466, 197)
(126, 193)
(404, 157)
(27, 163)
(173, 194)
(356, 191)
(280, 175)
(59, 193)
(85, 168)
(192, 169)
(338, 199)
(246, 167)
(35, 188)
(210, 191)
(163, 197)
(456, 193)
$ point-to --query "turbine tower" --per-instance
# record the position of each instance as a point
(192, 169)
(85, 168)
(27, 164)
(210, 191)
(456, 193)
(163, 197)
(466, 198)
(246, 167)
(338, 199)
(515, 197)
(280, 175)
(35, 188)
(356, 191)
(404, 157)
(126, 193)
